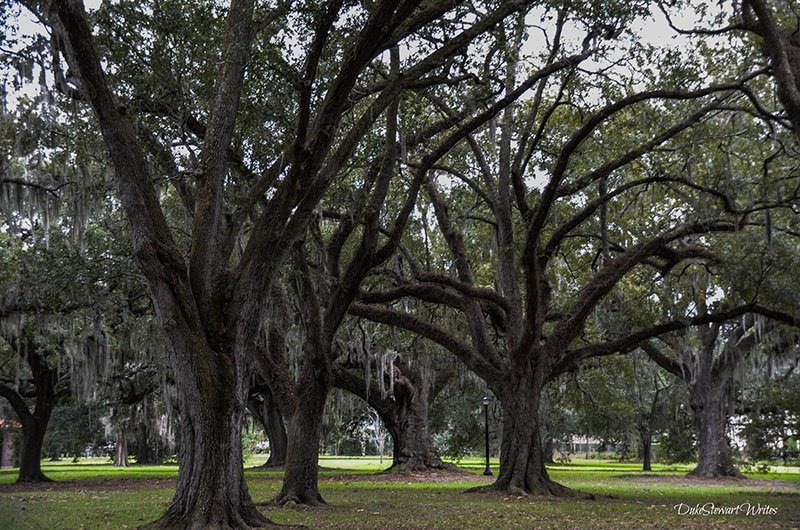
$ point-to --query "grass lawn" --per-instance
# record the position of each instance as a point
(93, 494)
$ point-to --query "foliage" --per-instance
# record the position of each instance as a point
(76, 431)
(677, 444)
(771, 422)
(457, 420)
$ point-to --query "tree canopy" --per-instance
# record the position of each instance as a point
(384, 197)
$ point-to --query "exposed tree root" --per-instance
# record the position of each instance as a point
(253, 519)
(296, 501)
(729, 473)
(716, 468)
(545, 488)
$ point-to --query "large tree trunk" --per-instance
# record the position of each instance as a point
(408, 426)
(413, 448)
(121, 452)
(34, 428)
(269, 416)
(405, 413)
(709, 405)
(301, 471)
(304, 429)
(34, 424)
(522, 456)
(211, 492)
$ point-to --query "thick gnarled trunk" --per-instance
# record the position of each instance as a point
(30, 460)
(709, 405)
(414, 450)
(304, 429)
(522, 462)
(301, 473)
(211, 491)
(408, 426)
(522, 455)
(404, 413)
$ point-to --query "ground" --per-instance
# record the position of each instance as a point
(99, 496)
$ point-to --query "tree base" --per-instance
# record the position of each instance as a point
(731, 472)
(33, 478)
(294, 501)
(245, 522)
(544, 488)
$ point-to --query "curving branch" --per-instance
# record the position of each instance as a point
(639, 339)
(464, 351)
(782, 46)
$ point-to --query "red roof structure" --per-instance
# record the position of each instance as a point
(9, 424)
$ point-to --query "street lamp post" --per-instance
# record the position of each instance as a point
(486, 400)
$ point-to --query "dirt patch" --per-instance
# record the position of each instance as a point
(91, 484)
(687, 480)
(437, 476)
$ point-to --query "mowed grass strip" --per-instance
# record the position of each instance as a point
(98, 496)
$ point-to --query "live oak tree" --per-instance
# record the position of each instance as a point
(706, 360)
(43, 382)
(62, 272)
(711, 360)
(360, 230)
(406, 380)
(47, 327)
(61, 317)
(248, 197)
(537, 215)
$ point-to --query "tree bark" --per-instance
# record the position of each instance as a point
(413, 446)
(121, 452)
(549, 451)
(710, 417)
(143, 454)
(304, 400)
(647, 452)
(522, 460)
(33, 430)
(269, 416)
(301, 473)
(211, 491)
(405, 414)
(522, 464)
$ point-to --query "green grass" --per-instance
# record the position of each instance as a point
(95, 495)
